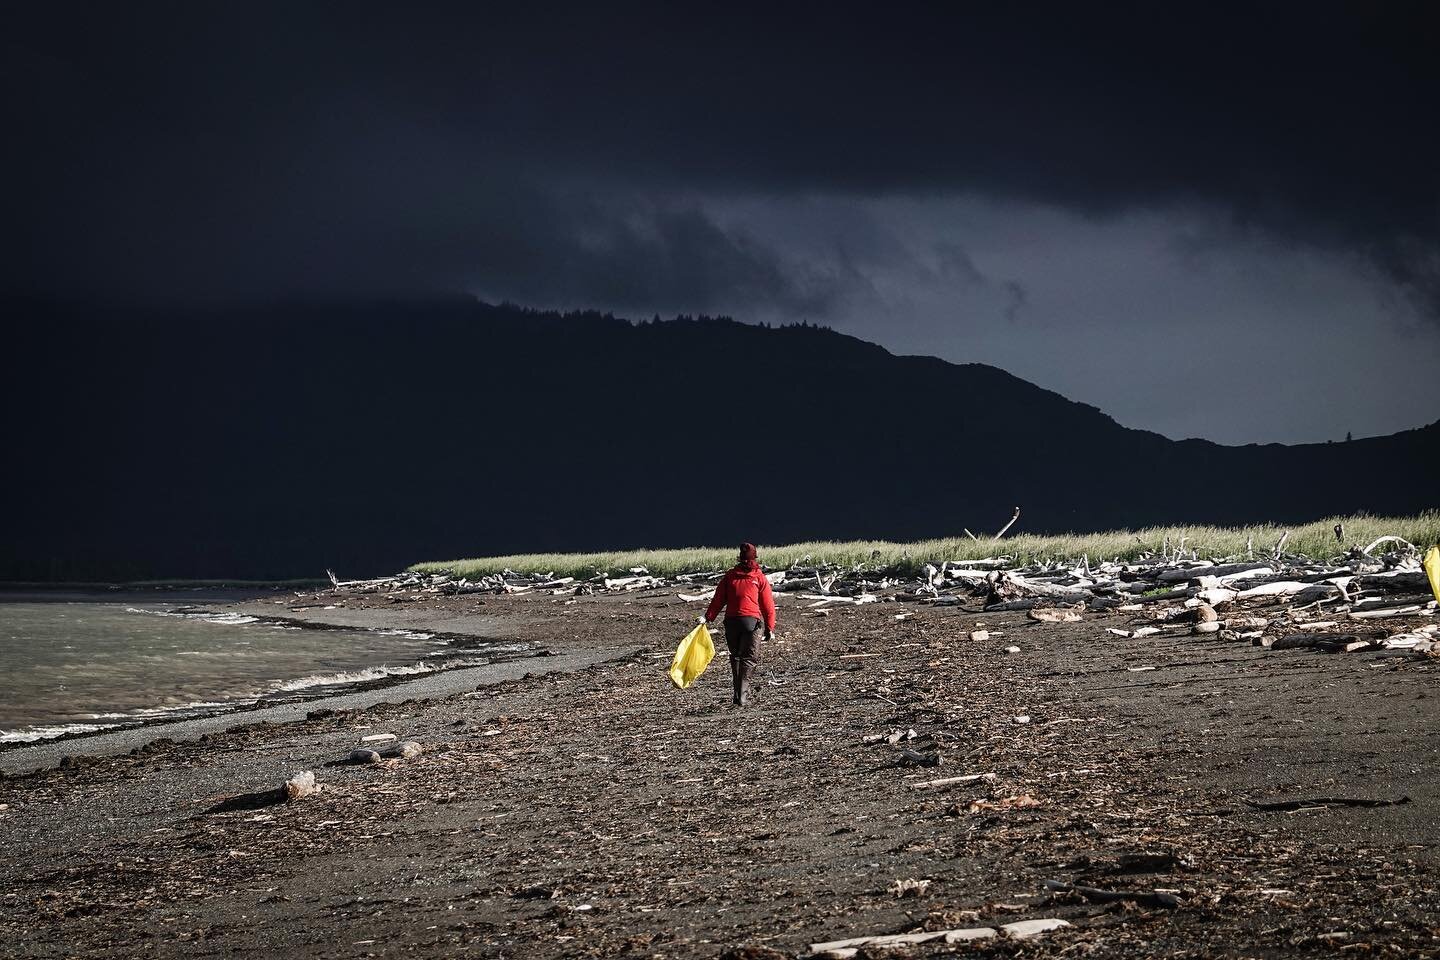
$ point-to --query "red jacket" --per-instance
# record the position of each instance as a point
(744, 593)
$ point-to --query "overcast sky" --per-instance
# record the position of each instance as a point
(1207, 222)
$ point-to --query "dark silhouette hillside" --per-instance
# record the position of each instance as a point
(277, 441)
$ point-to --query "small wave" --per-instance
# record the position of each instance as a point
(51, 730)
(197, 707)
(30, 734)
(344, 678)
(153, 613)
(355, 676)
(227, 619)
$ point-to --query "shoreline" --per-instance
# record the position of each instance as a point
(260, 605)
(28, 758)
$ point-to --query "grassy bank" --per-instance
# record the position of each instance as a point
(1315, 539)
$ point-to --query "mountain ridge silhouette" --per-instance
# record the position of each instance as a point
(275, 440)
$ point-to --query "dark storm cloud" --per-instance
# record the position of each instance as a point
(243, 149)
(955, 262)
(642, 255)
(1017, 300)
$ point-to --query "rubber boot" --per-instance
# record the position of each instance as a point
(735, 681)
(742, 684)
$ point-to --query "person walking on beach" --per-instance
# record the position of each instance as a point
(744, 594)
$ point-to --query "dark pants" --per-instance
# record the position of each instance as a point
(742, 637)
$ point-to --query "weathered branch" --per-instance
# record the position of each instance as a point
(1008, 525)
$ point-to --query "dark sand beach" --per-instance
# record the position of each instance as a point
(578, 805)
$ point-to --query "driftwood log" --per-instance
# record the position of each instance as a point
(298, 787)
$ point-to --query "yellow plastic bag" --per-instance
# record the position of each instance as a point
(1432, 570)
(692, 657)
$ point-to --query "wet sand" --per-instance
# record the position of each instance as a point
(600, 812)
(444, 683)
(493, 637)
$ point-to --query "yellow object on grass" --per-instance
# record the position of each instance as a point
(1432, 570)
(692, 657)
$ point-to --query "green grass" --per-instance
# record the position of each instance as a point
(1315, 539)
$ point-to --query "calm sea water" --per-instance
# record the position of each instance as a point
(84, 666)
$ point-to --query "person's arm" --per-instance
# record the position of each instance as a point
(767, 605)
(718, 603)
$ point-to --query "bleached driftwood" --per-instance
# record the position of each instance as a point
(1055, 616)
(1370, 550)
(1007, 526)
(1036, 588)
(1280, 588)
(1222, 572)
(1187, 572)
(635, 582)
(1404, 611)
(1019, 930)
(1250, 573)
(1214, 595)
(951, 781)
(823, 600)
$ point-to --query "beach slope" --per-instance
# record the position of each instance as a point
(1238, 801)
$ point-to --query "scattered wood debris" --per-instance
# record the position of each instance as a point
(298, 787)
(909, 887)
(1020, 930)
(1143, 898)
(1278, 602)
(1290, 806)
(951, 781)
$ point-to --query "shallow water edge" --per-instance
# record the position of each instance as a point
(61, 686)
